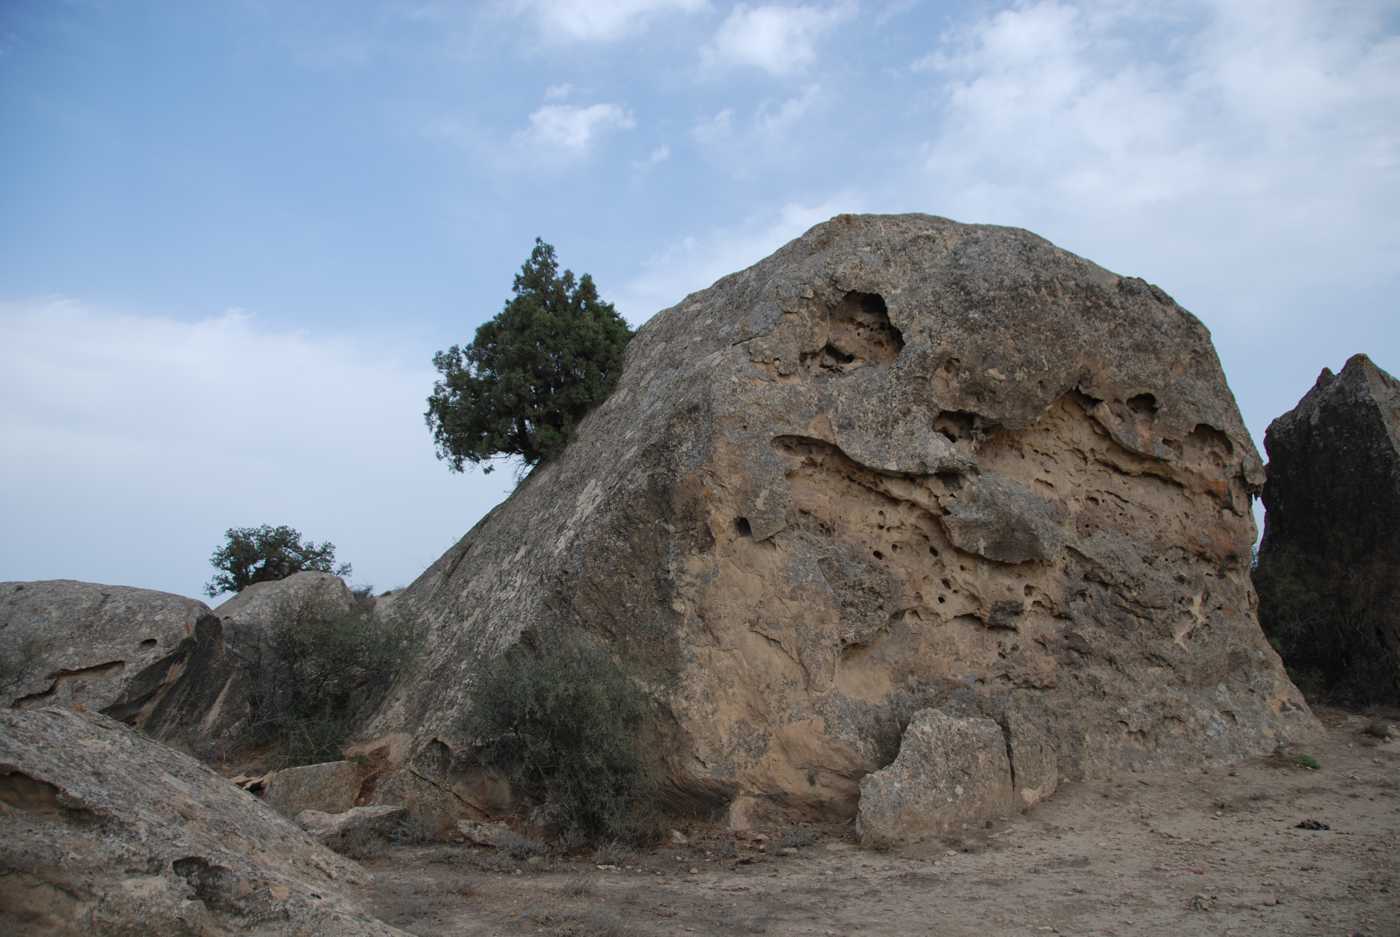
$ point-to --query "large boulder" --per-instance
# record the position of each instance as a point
(103, 831)
(952, 771)
(901, 464)
(64, 642)
(1329, 565)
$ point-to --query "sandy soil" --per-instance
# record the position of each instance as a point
(1190, 852)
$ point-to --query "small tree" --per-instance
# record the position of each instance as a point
(531, 373)
(264, 554)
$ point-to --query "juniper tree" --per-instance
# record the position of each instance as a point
(531, 373)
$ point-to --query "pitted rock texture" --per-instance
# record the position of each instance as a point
(901, 464)
(64, 642)
(1329, 564)
(103, 831)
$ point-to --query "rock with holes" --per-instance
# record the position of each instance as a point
(952, 771)
(1329, 565)
(64, 642)
(901, 464)
(104, 831)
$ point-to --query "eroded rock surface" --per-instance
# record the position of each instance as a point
(901, 464)
(103, 831)
(64, 642)
(330, 787)
(1329, 564)
(951, 771)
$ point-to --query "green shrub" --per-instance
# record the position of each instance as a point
(564, 723)
(320, 671)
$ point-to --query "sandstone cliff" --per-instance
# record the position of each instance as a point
(1329, 564)
(902, 463)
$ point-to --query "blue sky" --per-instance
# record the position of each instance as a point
(233, 234)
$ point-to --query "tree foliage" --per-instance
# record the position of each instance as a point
(531, 373)
(566, 723)
(265, 554)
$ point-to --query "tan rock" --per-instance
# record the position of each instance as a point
(901, 464)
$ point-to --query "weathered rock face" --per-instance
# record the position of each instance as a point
(203, 697)
(64, 642)
(330, 787)
(103, 831)
(901, 464)
(951, 771)
(1329, 565)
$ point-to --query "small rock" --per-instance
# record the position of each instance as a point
(788, 851)
(679, 839)
(1311, 824)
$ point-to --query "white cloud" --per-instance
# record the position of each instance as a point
(763, 140)
(780, 40)
(1267, 124)
(133, 441)
(558, 92)
(600, 20)
(1244, 155)
(780, 118)
(656, 157)
(693, 262)
(712, 131)
(573, 129)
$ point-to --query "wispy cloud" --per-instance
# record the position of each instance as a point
(571, 130)
(781, 40)
(656, 157)
(599, 20)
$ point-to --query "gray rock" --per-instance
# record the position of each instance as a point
(266, 603)
(64, 642)
(902, 463)
(104, 831)
(1329, 565)
(330, 787)
(204, 696)
(951, 771)
(353, 828)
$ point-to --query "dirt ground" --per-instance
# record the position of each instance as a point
(1191, 852)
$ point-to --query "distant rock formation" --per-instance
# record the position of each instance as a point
(1329, 565)
(103, 831)
(903, 464)
(162, 663)
(64, 642)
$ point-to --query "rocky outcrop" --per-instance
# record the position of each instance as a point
(204, 696)
(902, 464)
(64, 642)
(103, 831)
(264, 604)
(951, 772)
(354, 828)
(1329, 564)
(330, 787)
